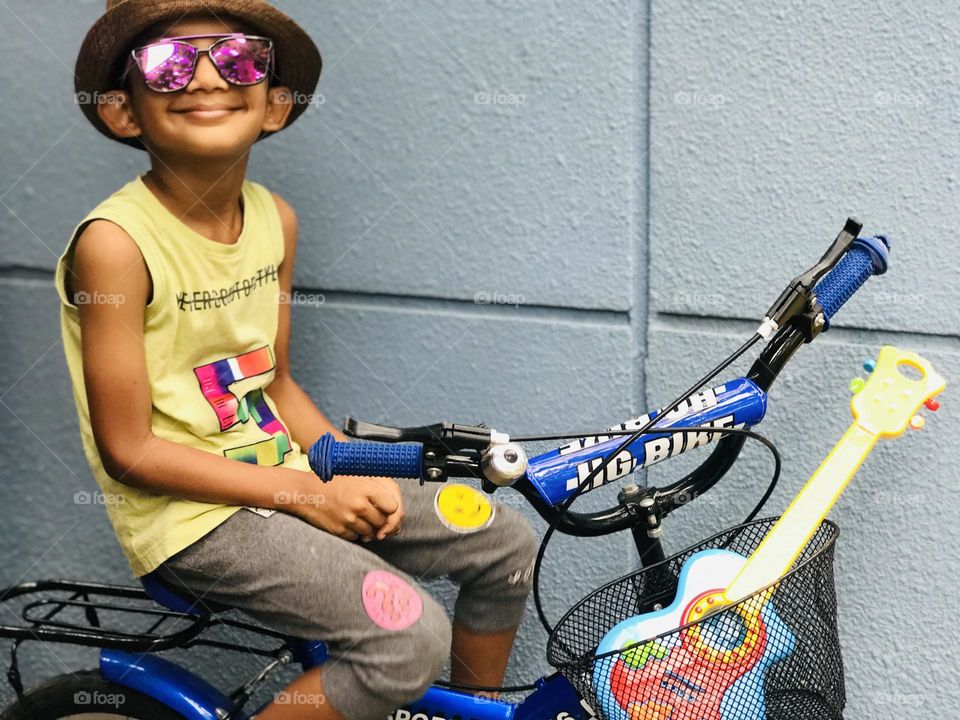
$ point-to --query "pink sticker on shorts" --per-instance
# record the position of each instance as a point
(390, 601)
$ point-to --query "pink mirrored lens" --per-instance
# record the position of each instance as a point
(170, 66)
(242, 60)
(167, 66)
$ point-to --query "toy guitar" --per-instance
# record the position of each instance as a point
(715, 669)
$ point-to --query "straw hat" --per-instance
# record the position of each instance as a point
(297, 67)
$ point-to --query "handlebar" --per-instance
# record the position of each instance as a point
(863, 257)
(866, 257)
(329, 457)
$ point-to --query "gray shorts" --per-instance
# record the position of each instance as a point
(388, 639)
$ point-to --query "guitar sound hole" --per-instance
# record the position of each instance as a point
(724, 632)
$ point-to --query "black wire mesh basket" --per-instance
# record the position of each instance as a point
(772, 656)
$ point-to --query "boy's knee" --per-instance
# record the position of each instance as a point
(427, 652)
(410, 660)
(519, 545)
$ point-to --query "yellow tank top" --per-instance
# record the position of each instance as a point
(209, 334)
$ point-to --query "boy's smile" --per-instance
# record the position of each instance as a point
(205, 113)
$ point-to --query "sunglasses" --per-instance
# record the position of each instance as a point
(171, 64)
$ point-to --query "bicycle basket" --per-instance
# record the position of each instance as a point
(769, 657)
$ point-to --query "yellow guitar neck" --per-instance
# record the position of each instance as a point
(784, 543)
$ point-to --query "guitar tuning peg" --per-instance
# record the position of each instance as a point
(917, 422)
(932, 404)
(856, 385)
(869, 365)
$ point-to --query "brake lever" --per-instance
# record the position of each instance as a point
(446, 446)
(798, 298)
(451, 436)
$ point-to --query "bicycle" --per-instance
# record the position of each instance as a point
(134, 681)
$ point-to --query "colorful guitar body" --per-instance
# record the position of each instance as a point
(715, 669)
(694, 674)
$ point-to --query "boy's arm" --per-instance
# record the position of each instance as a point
(305, 421)
(108, 262)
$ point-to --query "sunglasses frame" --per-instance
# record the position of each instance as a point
(219, 38)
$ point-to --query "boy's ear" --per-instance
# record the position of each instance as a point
(116, 112)
(279, 105)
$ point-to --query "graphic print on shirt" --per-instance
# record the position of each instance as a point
(215, 381)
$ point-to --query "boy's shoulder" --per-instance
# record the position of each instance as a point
(129, 207)
(105, 218)
(124, 195)
(288, 216)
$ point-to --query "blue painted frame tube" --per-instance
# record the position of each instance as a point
(735, 404)
(554, 699)
(444, 704)
(193, 698)
(166, 682)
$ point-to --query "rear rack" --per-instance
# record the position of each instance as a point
(84, 613)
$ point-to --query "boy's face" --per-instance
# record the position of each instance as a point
(210, 117)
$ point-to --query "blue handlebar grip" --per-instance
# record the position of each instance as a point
(866, 257)
(328, 457)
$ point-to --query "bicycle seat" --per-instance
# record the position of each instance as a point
(163, 593)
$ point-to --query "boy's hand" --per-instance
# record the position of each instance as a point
(395, 518)
(353, 507)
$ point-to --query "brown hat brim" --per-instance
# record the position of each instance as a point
(298, 61)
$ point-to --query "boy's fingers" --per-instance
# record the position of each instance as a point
(373, 515)
(391, 526)
(384, 499)
(391, 485)
(362, 528)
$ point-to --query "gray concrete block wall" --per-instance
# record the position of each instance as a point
(545, 216)
(770, 124)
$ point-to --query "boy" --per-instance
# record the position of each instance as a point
(177, 341)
